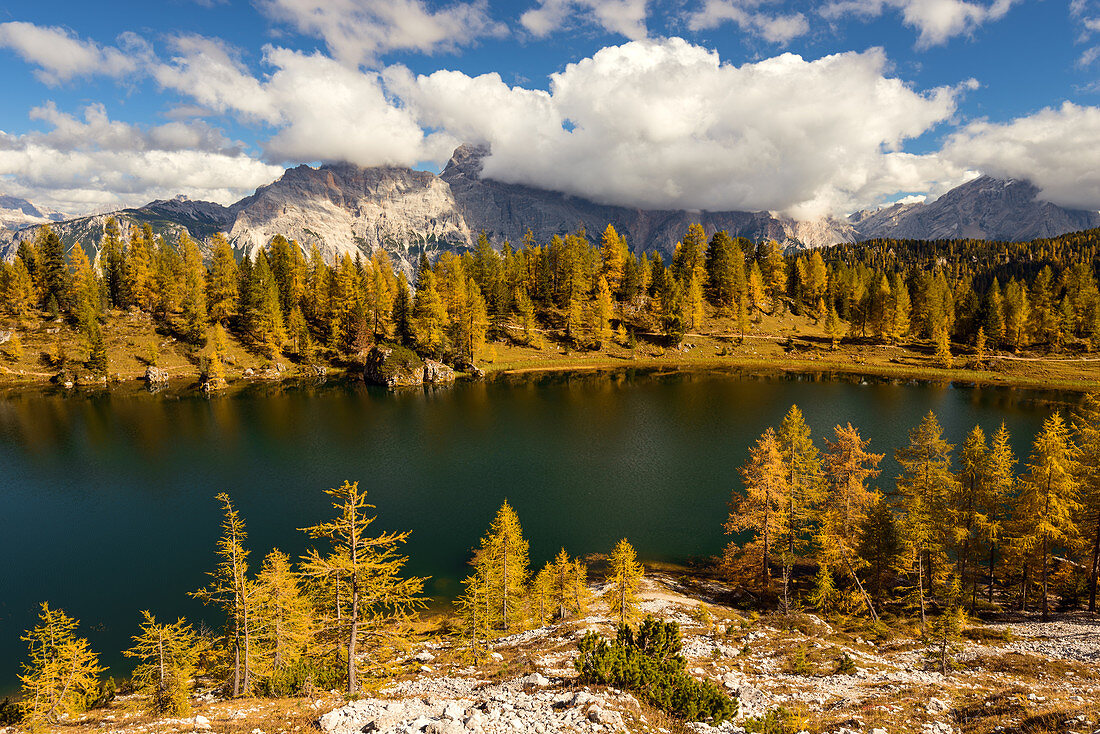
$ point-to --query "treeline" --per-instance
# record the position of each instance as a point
(344, 615)
(955, 530)
(585, 292)
(1008, 295)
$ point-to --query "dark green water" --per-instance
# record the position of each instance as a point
(107, 500)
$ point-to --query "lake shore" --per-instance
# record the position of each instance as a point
(790, 344)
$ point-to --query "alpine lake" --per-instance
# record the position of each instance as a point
(108, 497)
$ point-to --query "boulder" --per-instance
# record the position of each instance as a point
(393, 366)
(537, 680)
(65, 378)
(155, 375)
(437, 373)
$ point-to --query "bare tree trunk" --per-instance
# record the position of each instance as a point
(236, 667)
(859, 585)
(353, 627)
(1095, 565)
(1046, 564)
(786, 587)
(992, 562)
(246, 685)
(353, 635)
(504, 591)
(920, 590)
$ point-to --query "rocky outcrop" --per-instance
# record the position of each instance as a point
(393, 367)
(459, 705)
(342, 208)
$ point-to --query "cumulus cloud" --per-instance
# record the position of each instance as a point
(937, 21)
(61, 56)
(773, 27)
(318, 108)
(86, 164)
(623, 17)
(1057, 149)
(666, 124)
(359, 31)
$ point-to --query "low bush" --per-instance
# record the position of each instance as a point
(301, 678)
(845, 666)
(9, 713)
(776, 721)
(648, 662)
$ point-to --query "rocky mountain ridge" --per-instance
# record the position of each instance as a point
(343, 208)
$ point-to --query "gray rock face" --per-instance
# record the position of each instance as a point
(985, 208)
(347, 209)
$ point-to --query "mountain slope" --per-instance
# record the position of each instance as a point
(985, 208)
(344, 209)
(506, 211)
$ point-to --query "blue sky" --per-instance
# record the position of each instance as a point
(798, 107)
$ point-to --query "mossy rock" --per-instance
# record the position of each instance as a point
(393, 366)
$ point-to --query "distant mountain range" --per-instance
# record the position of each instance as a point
(342, 208)
(16, 213)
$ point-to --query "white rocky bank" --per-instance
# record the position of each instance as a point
(457, 705)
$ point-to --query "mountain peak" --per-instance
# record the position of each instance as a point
(467, 160)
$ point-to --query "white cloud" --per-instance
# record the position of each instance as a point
(665, 124)
(1085, 12)
(1057, 149)
(936, 20)
(318, 108)
(93, 163)
(775, 28)
(359, 31)
(61, 56)
(623, 17)
(210, 72)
